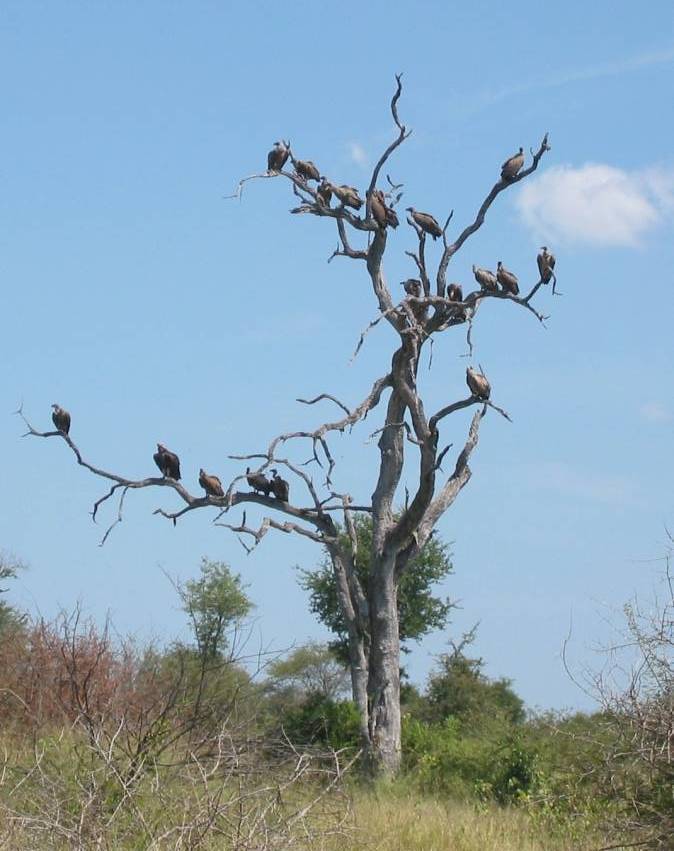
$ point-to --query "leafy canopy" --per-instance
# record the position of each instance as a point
(214, 602)
(419, 610)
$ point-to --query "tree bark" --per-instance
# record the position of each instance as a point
(382, 755)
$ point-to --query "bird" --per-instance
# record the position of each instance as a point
(168, 463)
(412, 287)
(348, 195)
(506, 279)
(61, 419)
(280, 487)
(324, 192)
(307, 170)
(426, 222)
(454, 292)
(477, 384)
(378, 208)
(546, 264)
(258, 482)
(485, 278)
(276, 158)
(381, 212)
(211, 484)
(512, 165)
(392, 218)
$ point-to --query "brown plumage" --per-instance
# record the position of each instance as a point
(307, 170)
(324, 192)
(258, 482)
(546, 264)
(280, 487)
(277, 157)
(381, 212)
(378, 208)
(348, 195)
(454, 292)
(168, 463)
(61, 419)
(412, 287)
(477, 384)
(506, 279)
(485, 278)
(426, 222)
(512, 165)
(392, 218)
(211, 484)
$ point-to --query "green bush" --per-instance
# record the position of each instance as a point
(321, 720)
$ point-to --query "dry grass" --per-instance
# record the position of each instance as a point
(393, 822)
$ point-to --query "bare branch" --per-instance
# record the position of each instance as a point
(402, 135)
(450, 250)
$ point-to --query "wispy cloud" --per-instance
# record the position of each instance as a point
(583, 484)
(596, 204)
(358, 154)
(563, 77)
(656, 412)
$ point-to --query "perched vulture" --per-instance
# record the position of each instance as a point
(348, 195)
(392, 218)
(546, 264)
(280, 487)
(454, 292)
(511, 166)
(276, 158)
(485, 278)
(412, 287)
(324, 192)
(477, 384)
(506, 279)
(307, 170)
(426, 222)
(168, 462)
(381, 212)
(61, 419)
(211, 484)
(258, 482)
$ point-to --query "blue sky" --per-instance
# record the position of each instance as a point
(154, 310)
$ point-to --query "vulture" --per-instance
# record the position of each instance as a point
(546, 264)
(412, 287)
(477, 384)
(168, 462)
(280, 487)
(211, 484)
(485, 278)
(258, 482)
(506, 279)
(426, 222)
(381, 212)
(454, 292)
(307, 170)
(511, 166)
(61, 419)
(392, 217)
(348, 195)
(324, 192)
(276, 158)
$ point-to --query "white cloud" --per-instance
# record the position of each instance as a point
(596, 204)
(656, 412)
(357, 154)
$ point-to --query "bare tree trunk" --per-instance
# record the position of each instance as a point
(383, 750)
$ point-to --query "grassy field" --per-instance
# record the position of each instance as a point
(395, 822)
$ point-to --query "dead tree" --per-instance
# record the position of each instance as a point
(397, 535)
